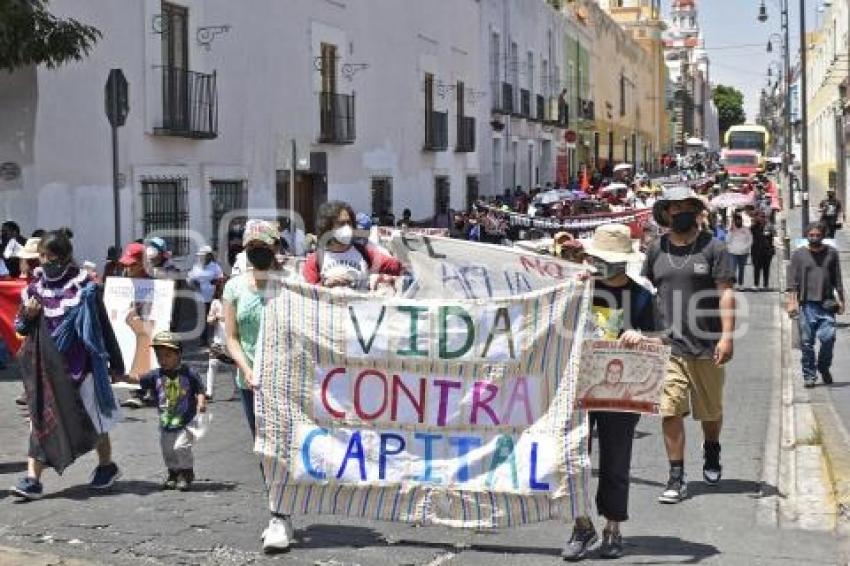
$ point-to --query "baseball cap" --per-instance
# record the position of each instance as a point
(133, 253)
(165, 339)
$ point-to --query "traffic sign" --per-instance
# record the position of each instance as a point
(117, 99)
(570, 136)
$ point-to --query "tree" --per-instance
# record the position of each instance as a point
(31, 35)
(730, 107)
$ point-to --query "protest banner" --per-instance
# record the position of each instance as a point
(447, 268)
(151, 300)
(387, 232)
(581, 226)
(10, 302)
(616, 378)
(439, 411)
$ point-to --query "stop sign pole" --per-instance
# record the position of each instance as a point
(117, 104)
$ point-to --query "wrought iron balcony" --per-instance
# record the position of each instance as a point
(336, 118)
(465, 134)
(559, 113)
(587, 110)
(503, 102)
(189, 104)
(436, 131)
(525, 103)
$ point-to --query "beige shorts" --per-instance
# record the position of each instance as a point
(693, 387)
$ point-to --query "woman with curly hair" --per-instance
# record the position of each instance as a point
(341, 260)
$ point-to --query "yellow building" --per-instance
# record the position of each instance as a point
(643, 20)
(827, 68)
(628, 93)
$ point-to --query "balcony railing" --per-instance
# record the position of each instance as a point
(525, 103)
(504, 102)
(541, 108)
(189, 104)
(436, 131)
(336, 118)
(586, 110)
(465, 134)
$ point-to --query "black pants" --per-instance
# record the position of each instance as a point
(761, 269)
(616, 432)
(206, 328)
(831, 227)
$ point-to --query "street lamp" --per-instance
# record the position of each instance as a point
(762, 17)
(770, 41)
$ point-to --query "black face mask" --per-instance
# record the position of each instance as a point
(815, 242)
(683, 222)
(260, 258)
(54, 269)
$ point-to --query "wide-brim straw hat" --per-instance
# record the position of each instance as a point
(30, 249)
(613, 243)
(674, 194)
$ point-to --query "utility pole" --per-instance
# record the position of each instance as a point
(804, 115)
(787, 158)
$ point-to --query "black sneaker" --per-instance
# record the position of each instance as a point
(677, 488)
(582, 539)
(22, 400)
(28, 488)
(711, 468)
(105, 476)
(808, 383)
(826, 376)
(184, 480)
(171, 481)
(132, 403)
(612, 545)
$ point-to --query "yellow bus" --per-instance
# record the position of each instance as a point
(748, 136)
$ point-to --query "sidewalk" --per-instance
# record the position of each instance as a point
(14, 557)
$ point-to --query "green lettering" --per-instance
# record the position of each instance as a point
(366, 346)
(501, 314)
(445, 313)
(504, 453)
(413, 345)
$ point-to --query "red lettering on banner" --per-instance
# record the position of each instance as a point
(357, 388)
(398, 385)
(478, 402)
(546, 269)
(325, 382)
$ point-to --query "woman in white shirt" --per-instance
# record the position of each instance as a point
(203, 277)
(739, 240)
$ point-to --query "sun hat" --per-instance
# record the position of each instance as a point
(133, 253)
(204, 250)
(613, 243)
(263, 231)
(165, 339)
(30, 249)
(675, 194)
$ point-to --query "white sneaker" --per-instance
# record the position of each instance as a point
(278, 535)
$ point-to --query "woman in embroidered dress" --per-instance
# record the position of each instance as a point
(72, 310)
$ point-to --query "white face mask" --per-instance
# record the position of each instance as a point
(343, 234)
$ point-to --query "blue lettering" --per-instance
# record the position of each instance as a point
(465, 444)
(385, 451)
(355, 450)
(427, 474)
(532, 480)
(305, 453)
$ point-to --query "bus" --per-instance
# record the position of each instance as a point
(748, 136)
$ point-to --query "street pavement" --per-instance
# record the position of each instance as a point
(220, 522)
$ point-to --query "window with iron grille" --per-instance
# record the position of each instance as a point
(382, 196)
(471, 191)
(165, 208)
(225, 196)
(442, 195)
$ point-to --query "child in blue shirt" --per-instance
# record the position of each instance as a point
(180, 396)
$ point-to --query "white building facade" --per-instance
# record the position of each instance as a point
(386, 101)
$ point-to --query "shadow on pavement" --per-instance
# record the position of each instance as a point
(12, 467)
(754, 489)
(692, 552)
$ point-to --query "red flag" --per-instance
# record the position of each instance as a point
(10, 301)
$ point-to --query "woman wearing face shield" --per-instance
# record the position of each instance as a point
(341, 259)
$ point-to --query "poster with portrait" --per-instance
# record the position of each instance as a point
(613, 377)
(138, 309)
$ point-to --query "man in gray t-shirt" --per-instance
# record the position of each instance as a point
(696, 303)
(816, 293)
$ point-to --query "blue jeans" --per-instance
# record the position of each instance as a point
(740, 262)
(816, 324)
(248, 406)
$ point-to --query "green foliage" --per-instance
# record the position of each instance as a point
(30, 35)
(730, 107)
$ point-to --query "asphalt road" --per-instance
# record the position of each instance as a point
(220, 522)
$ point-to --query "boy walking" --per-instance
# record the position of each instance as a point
(180, 396)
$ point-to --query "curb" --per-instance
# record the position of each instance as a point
(17, 557)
